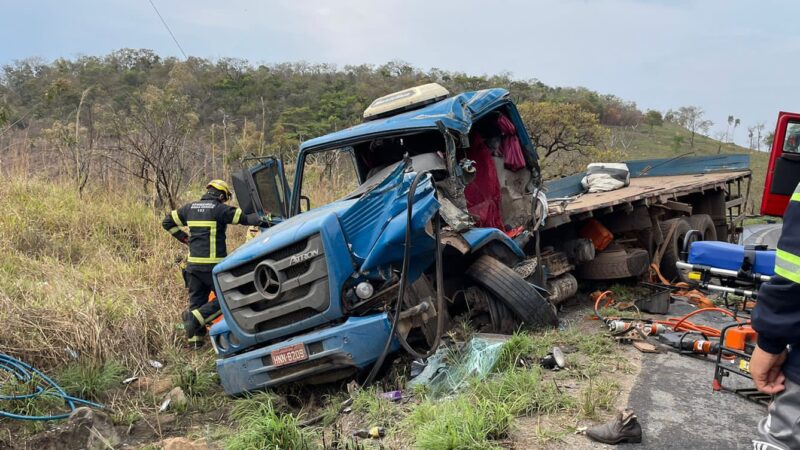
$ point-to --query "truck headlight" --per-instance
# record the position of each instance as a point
(364, 290)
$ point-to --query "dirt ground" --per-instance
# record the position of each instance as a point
(670, 393)
(673, 397)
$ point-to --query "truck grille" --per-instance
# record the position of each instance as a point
(299, 288)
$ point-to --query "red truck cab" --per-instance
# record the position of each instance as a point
(783, 173)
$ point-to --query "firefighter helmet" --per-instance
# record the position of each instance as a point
(221, 186)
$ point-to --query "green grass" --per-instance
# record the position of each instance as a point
(523, 392)
(262, 427)
(376, 411)
(484, 412)
(89, 380)
(598, 396)
(463, 422)
(532, 347)
(195, 373)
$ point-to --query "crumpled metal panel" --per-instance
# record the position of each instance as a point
(455, 113)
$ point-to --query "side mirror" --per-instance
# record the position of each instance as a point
(307, 203)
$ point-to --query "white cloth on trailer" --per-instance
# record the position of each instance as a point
(604, 177)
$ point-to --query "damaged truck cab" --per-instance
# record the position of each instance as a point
(312, 298)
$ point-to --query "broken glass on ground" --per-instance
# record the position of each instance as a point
(452, 367)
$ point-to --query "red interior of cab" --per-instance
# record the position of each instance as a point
(775, 198)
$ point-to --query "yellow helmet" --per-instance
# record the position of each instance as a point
(221, 186)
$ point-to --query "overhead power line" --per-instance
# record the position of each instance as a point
(168, 29)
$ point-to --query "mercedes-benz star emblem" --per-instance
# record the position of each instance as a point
(268, 280)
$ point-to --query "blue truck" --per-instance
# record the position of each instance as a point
(332, 288)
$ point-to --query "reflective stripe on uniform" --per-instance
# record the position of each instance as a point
(176, 218)
(796, 195)
(787, 265)
(199, 260)
(212, 244)
(198, 316)
(174, 230)
(213, 316)
(237, 215)
(194, 339)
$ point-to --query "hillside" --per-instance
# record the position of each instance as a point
(658, 142)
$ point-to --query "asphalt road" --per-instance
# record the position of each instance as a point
(678, 409)
(762, 234)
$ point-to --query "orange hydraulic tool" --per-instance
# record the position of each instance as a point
(738, 337)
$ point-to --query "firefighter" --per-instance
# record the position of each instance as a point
(776, 317)
(207, 220)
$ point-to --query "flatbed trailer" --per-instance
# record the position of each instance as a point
(696, 192)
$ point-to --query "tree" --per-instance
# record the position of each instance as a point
(691, 118)
(677, 142)
(769, 138)
(76, 156)
(562, 127)
(759, 128)
(653, 118)
(150, 141)
(565, 135)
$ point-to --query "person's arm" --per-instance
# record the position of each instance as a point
(235, 216)
(776, 316)
(173, 222)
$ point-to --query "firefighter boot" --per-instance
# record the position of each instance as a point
(624, 428)
(195, 328)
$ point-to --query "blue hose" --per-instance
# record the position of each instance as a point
(24, 373)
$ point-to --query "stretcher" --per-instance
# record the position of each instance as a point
(725, 267)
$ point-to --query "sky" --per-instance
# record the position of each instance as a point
(729, 57)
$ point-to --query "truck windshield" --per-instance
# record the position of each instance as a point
(327, 176)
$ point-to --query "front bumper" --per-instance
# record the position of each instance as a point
(333, 353)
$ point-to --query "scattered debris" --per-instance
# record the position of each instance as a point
(445, 375)
(645, 347)
(372, 433)
(175, 399)
(72, 353)
(555, 360)
(155, 364)
(129, 380)
(394, 396)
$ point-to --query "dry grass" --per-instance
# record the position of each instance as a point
(93, 276)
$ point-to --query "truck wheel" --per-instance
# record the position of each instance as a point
(517, 294)
(705, 224)
(672, 251)
(615, 263)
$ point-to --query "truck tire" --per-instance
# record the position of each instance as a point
(521, 297)
(705, 224)
(615, 263)
(672, 251)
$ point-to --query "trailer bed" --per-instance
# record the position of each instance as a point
(648, 190)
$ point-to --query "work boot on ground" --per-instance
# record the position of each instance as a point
(192, 327)
(196, 342)
(624, 428)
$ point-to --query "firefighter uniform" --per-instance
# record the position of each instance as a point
(776, 318)
(207, 220)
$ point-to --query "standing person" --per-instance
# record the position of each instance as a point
(776, 317)
(207, 220)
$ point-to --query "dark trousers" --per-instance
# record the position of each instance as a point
(200, 284)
